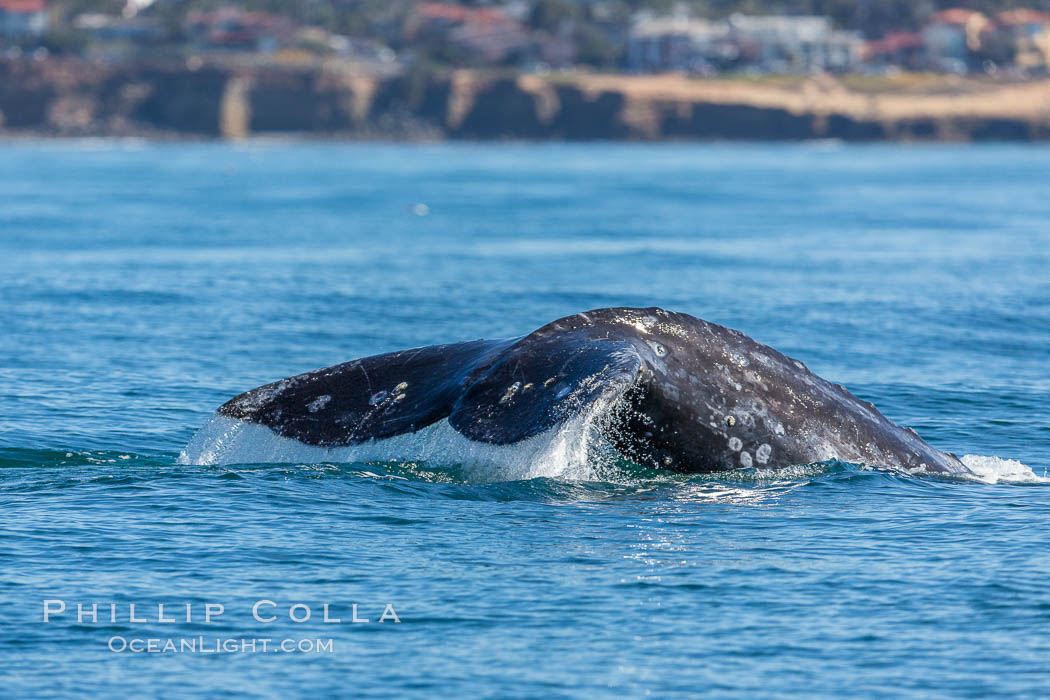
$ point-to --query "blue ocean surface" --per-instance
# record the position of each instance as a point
(142, 285)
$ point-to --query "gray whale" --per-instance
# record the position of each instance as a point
(681, 394)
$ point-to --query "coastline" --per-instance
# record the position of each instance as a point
(175, 100)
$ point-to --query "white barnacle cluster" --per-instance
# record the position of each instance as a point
(765, 360)
(389, 398)
(517, 387)
(260, 398)
(318, 403)
(763, 453)
(747, 458)
(658, 348)
(510, 392)
(738, 359)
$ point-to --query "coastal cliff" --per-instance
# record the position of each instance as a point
(176, 99)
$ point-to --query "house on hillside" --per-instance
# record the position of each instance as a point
(1027, 33)
(486, 34)
(104, 28)
(233, 29)
(794, 44)
(676, 43)
(770, 43)
(22, 19)
(898, 49)
(953, 39)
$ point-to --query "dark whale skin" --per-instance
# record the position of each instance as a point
(681, 394)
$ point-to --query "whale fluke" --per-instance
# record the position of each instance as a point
(680, 393)
(541, 381)
(367, 399)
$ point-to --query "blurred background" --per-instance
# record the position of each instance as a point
(527, 69)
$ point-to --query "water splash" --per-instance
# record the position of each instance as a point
(996, 470)
(571, 451)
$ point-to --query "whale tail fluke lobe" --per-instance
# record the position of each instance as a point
(542, 381)
(497, 392)
(372, 398)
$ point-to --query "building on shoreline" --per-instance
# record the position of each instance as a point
(534, 36)
(677, 43)
(768, 43)
(794, 44)
(955, 40)
(1028, 34)
(23, 19)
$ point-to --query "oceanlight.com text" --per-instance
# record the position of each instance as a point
(219, 645)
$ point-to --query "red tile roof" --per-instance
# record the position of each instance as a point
(1022, 16)
(22, 6)
(460, 14)
(955, 15)
(895, 42)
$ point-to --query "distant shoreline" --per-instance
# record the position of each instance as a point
(174, 101)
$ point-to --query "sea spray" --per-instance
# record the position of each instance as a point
(573, 450)
(995, 470)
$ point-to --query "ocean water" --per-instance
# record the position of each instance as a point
(142, 285)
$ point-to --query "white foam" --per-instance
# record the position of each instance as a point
(570, 451)
(995, 470)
